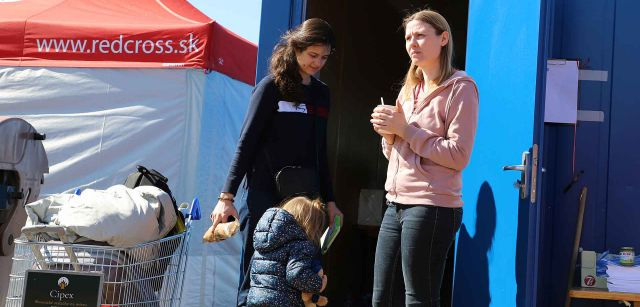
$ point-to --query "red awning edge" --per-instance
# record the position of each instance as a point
(121, 34)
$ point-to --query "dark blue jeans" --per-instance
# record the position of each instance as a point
(412, 249)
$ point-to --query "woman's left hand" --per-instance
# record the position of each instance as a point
(387, 121)
(333, 211)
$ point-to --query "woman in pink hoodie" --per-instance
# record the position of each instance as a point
(427, 137)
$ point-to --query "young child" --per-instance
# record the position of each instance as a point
(285, 263)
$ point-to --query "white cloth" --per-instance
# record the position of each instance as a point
(120, 216)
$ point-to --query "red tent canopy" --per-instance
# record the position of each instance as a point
(120, 33)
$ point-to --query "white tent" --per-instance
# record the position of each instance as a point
(103, 114)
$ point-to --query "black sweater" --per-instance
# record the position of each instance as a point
(277, 133)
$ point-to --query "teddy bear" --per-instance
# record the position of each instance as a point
(313, 299)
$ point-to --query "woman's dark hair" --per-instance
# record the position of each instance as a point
(284, 66)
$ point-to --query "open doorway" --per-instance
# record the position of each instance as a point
(370, 62)
(596, 153)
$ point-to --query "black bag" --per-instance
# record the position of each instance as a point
(297, 181)
(152, 177)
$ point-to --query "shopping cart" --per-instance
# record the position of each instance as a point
(148, 274)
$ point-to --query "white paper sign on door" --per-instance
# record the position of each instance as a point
(561, 94)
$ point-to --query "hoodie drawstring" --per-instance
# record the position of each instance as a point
(446, 110)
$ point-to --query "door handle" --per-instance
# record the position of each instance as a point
(524, 183)
(513, 168)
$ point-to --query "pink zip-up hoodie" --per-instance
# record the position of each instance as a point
(425, 168)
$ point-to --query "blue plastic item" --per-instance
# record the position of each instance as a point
(195, 210)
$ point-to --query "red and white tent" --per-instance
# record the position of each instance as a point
(115, 83)
(120, 33)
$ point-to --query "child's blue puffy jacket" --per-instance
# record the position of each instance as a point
(284, 263)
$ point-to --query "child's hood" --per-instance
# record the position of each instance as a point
(276, 228)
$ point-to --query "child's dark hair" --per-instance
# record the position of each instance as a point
(310, 214)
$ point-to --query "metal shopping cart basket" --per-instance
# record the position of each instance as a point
(148, 274)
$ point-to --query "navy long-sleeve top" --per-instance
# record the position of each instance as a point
(278, 133)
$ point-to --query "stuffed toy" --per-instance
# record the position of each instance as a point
(222, 232)
(313, 299)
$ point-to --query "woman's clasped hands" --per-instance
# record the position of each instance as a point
(389, 120)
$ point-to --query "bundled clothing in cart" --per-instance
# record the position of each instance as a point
(119, 216)
(121, 232)
(146, 274)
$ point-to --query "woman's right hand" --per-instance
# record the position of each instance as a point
(388, 137)
(223, 210)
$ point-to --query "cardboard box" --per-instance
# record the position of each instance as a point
(588, 278)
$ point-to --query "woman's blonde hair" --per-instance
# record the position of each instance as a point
(310, 214)
(414, 75)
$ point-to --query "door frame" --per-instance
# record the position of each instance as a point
(535, 248)
(276, 18)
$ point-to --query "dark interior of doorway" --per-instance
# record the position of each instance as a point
(370, 62)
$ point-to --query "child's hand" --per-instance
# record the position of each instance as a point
(324, 282)
(313, 300)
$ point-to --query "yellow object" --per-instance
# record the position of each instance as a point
(180, 226)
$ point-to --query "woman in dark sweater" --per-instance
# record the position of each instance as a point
(285, 126)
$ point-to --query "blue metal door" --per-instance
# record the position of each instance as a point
(497, 246)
